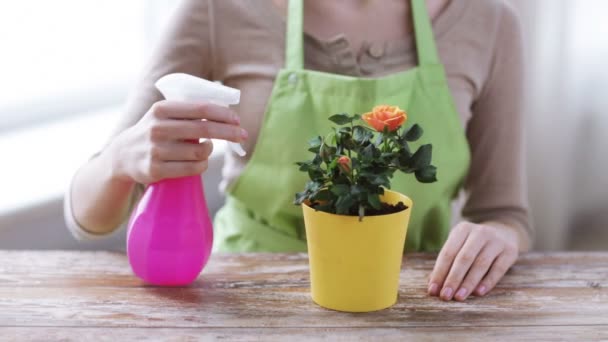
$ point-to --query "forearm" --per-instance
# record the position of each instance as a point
(497, 180)
(100, 200)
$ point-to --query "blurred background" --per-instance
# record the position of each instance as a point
(67, 66)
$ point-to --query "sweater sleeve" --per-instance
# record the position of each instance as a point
(496, 186)
(185, 47)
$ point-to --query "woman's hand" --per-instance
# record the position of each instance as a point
(161, 144)
(474, 258)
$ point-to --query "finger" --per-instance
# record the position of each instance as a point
(185, 151)
(464, 259)
(478, 270)
(500, 266)
(175, 169)
(446, 257)
(194, 110)
(182, 130)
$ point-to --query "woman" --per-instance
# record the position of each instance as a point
(471, 112)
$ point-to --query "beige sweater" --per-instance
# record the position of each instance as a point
(241, 43)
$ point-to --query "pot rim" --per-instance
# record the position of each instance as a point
(408, 202)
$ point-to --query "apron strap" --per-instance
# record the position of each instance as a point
(294, 46)
(294, 49)
(425, 40)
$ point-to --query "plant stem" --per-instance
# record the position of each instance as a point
(385, 147)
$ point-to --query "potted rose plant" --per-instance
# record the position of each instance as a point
(355, 225)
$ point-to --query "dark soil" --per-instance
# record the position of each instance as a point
(385, 210)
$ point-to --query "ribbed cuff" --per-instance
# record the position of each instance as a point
(78, 231)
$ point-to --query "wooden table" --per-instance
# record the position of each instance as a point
(93, 296)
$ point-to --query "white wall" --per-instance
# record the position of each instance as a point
(567, 111)
(43, 227)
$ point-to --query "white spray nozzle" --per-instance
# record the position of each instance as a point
(184, 87)
(188, 87)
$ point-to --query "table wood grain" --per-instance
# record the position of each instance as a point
(56, 295)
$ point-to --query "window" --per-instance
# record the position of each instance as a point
(65, 57)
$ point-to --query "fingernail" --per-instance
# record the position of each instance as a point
(461, 294)
(446, 293)
(433, 289)
(237, 120)
(244, 134)
(481, 290)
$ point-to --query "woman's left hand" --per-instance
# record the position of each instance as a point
(474, 258)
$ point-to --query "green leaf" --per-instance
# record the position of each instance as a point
(414, 133)
(405, 149)
(379, 140)
(300, 197)
(355, 117)
(323, 195)
(327, 153)
(304, 166)
(422, 157)
(349, 143)
(340, 189)
(387, 155)
(333, 164)
(317, 160)
(315, 142)
(344, 203)
(361, 134)
(315, 174)
(340, 119)
(380, 180)
(356, 190)
(314, 149)
(427, 174)
(326, 207)
(312, 186)
(344, 130)
(369, 153)
(374, 201)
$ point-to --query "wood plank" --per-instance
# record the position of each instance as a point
(101, 269)
(63, 289)
(533, 334)
(251, 305)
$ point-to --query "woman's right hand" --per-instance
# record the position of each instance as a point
(161, 144)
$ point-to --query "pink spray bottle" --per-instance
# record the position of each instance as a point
(170, 235)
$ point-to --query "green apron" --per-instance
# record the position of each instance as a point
(259, 214)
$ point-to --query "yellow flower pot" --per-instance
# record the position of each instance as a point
(355, 266)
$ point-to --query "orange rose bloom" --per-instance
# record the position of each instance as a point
(344, 164)
(382, 116)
